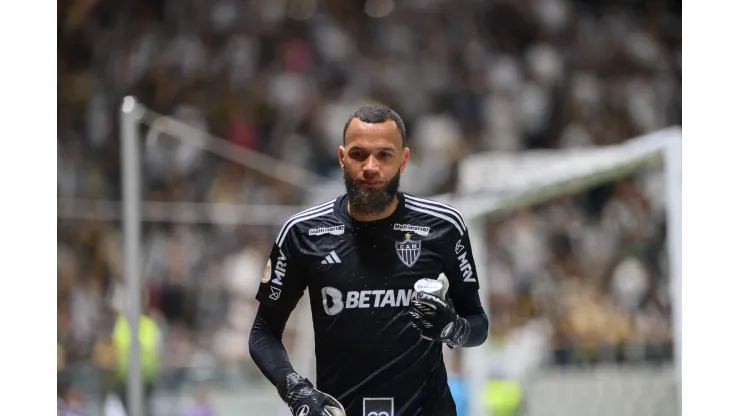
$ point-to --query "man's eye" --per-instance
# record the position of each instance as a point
(385, 155)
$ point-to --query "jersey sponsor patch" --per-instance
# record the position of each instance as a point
(275, 293)
(465, 267)
(281, 266)
(459, 247)
(267, 274)
(335, 301)
(418, 229)
(377, 406)
(408, 250)
(336, 230)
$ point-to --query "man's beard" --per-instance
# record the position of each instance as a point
(371, 201)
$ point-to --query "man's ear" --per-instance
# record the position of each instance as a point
(404, 158)
(340, 154)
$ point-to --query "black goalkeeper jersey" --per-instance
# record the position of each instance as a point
(360, 278)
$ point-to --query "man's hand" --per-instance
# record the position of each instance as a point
(435, 318)
(304, 400)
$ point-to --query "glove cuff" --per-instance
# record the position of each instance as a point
(291, 382)
(460, 333)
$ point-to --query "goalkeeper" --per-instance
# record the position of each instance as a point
(370, 260)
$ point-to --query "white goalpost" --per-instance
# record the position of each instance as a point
(490, 184)
(131, 178)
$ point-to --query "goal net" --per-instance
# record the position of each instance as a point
(530, 233)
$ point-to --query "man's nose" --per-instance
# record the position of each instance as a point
(371, 167)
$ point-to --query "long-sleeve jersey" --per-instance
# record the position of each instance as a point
(360, 278)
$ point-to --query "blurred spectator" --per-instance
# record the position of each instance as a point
(201, 406)
(150, 342)
(177, 356)
(105, 358)
(69, 399)
(456, 379)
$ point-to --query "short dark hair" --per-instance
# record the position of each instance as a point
(376, 114)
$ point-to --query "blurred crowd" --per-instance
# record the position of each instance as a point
(577, 280)
(582, 280)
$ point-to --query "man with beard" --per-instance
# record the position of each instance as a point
(378, 341)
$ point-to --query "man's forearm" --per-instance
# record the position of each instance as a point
(268, 352)
(478, 329)
(266, 346)
(469, 307)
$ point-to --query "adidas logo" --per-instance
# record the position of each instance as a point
(331, 258)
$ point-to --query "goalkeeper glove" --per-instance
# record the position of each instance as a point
(435, 317)
(304, 400)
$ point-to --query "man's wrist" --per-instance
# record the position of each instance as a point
(289, 383)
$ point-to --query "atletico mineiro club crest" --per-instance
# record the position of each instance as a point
(408, 250)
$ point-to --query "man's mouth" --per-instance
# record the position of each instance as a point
(371, 184)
